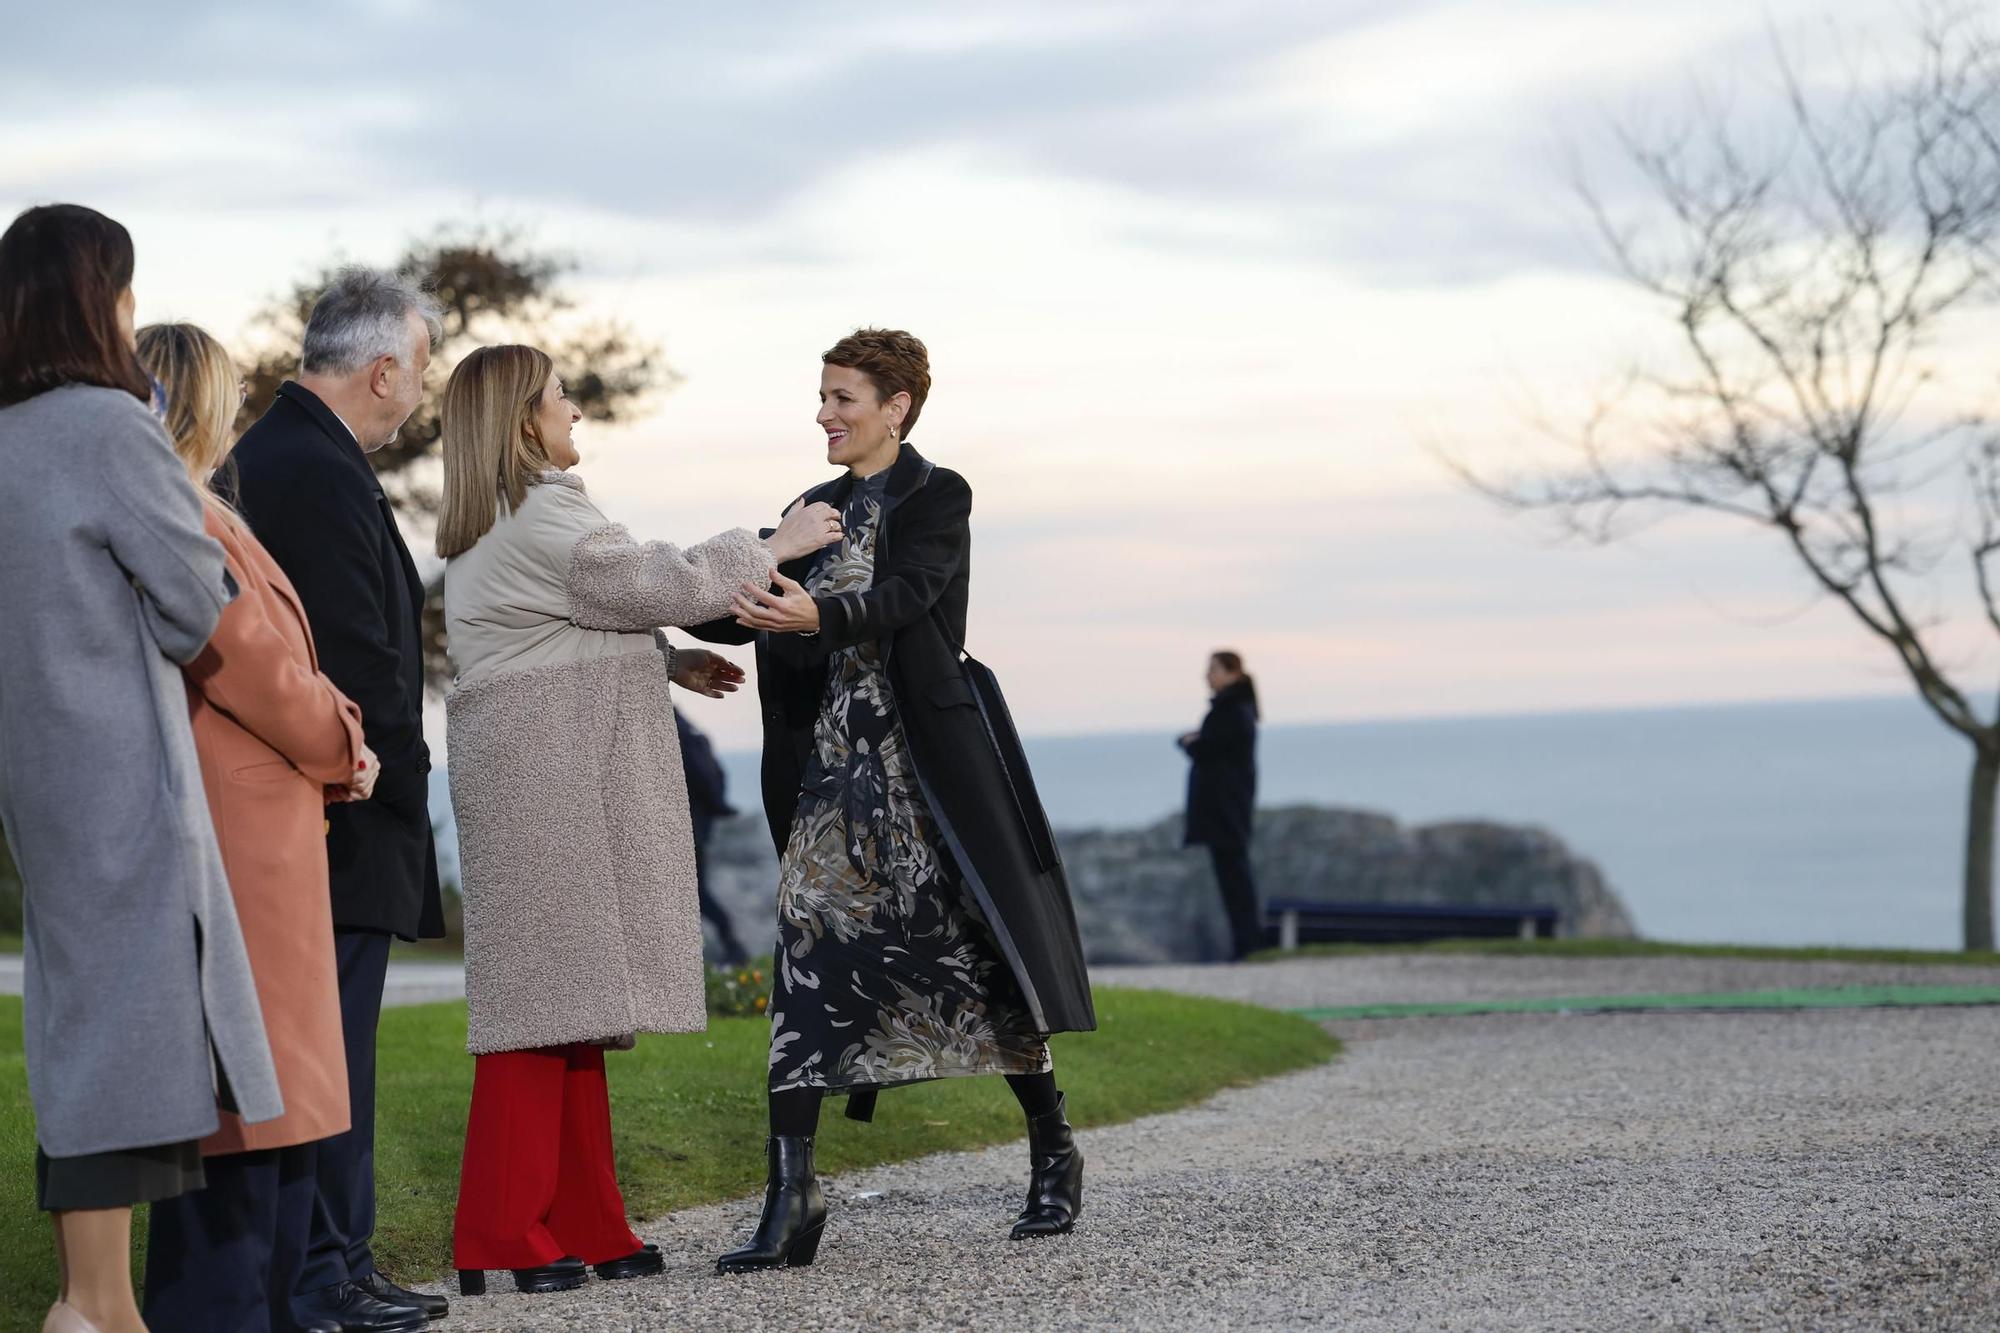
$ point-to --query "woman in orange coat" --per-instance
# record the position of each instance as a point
(277, 741)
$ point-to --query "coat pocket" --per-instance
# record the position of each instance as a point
(951, 692)
(271, 770)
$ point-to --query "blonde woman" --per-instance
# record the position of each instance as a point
(276, 742)
(581, 924)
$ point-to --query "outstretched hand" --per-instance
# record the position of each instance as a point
(706, 673)
(791, 610)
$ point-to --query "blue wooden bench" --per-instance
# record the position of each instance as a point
(1303, 920)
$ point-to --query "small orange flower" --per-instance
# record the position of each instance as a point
(756, 976)
(742, 979)
(760, 1004)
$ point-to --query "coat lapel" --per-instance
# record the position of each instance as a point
(288, 595)
(258, 567)
(343, 439)
(907, 476)
(332, 427)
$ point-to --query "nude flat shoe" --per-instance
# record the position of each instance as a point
(66, 1318)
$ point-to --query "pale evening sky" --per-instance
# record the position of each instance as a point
(1200, 283)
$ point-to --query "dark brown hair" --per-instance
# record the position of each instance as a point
(894, 362)
(1232, 662)
(62, 267)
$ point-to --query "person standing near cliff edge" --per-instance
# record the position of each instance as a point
(1222, 793)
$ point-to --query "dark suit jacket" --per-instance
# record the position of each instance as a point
(309, 494)
(977, 788)
(1222, 781)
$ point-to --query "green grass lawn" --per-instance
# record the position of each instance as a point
(1642, 949)
(689, 1115)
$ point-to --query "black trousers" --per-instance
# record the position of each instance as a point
(1239, 896)
(343, 1221)
(725, 930)
(226, 1259)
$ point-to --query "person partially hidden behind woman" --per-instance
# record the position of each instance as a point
(1222, 794)
(277, 741)
(924, 931)
(581, 925)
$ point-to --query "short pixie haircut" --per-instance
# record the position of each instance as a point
(894, 362)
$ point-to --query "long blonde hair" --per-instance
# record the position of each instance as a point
(491, 446)
(203, 395)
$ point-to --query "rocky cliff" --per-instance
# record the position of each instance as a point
(1142, 898)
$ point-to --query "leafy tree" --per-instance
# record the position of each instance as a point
(1805, 278)
(495, 287)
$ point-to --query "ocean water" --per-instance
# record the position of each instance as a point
(1828, 822)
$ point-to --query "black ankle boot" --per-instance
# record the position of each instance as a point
(788, 1233)
(1055, 1176)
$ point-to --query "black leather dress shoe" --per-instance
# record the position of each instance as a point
(564, 1274)
(387, 1292)
(352, 1310)
(314, 1326)
(642, 1262)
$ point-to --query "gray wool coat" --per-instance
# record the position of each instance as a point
(135, 965)
(575, 843)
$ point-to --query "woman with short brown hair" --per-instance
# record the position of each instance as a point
(924, 922)
(577, 855)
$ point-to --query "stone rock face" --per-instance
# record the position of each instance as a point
(1143, 898)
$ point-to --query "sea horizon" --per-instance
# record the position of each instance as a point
(1801, 821)
(1815, 821)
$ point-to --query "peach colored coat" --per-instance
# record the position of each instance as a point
(273, 735)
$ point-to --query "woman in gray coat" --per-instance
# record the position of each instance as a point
(137, 987)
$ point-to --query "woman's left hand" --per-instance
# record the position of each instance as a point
(791, 610)
(706, 673)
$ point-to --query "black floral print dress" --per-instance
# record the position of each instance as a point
(886, 970)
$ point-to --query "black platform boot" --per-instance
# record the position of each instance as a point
(788, 1233)
(1055, 1176)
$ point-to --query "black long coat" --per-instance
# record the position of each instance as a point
(1222, 781)
(993, 826)
(314, 502)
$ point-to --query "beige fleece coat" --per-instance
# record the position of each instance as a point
(575, 847)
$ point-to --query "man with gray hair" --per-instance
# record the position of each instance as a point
(305, 485)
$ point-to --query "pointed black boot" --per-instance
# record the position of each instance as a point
(788, 1233)
(1055, 1176)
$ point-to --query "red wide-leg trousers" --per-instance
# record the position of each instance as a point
(538, 1181)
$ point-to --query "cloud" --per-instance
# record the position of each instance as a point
(1199, 280)
(1410, 141)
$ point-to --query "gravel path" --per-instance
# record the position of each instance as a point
(1771, 1170)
